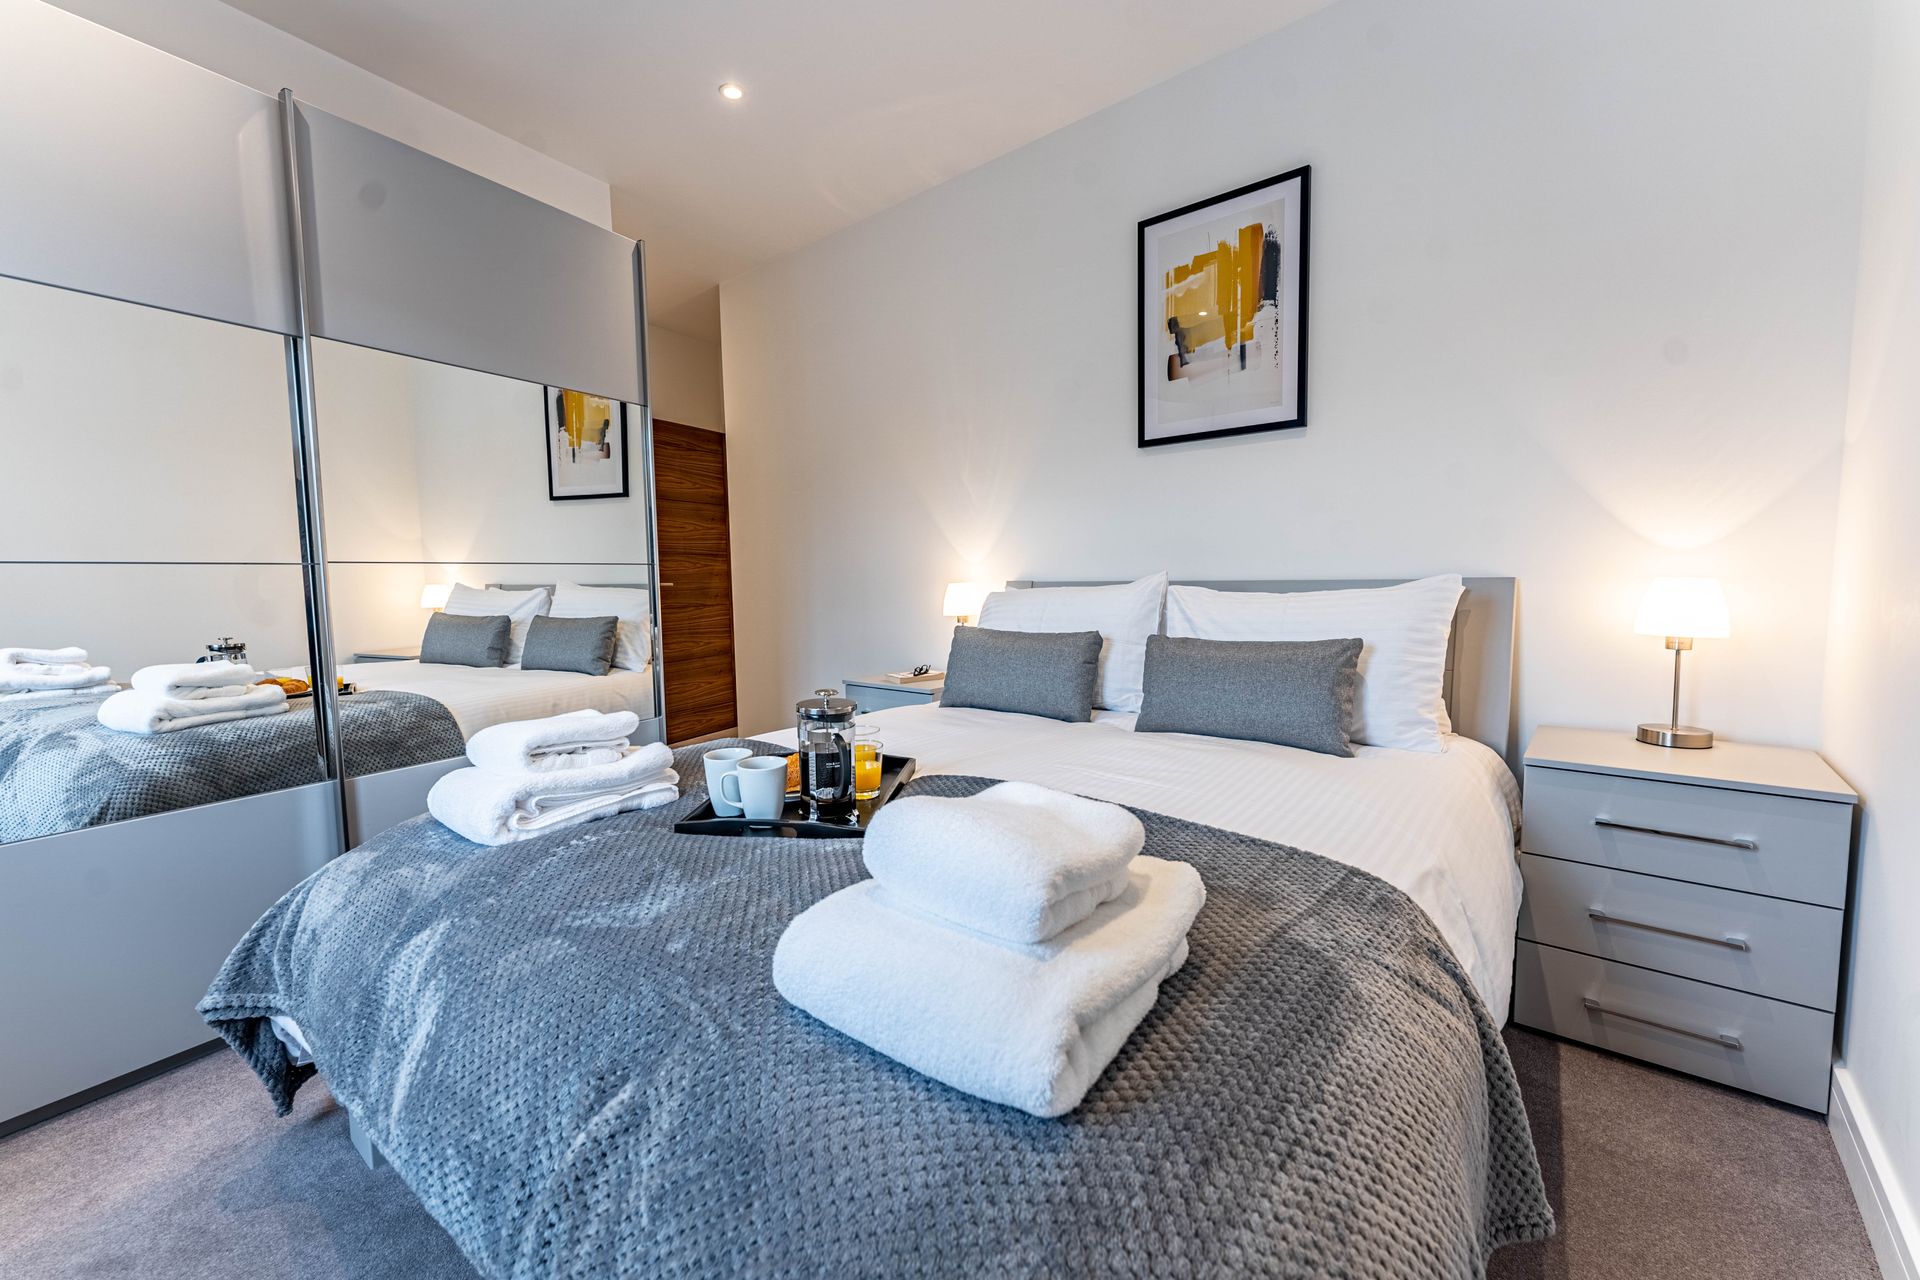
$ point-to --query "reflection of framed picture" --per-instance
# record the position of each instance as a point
(1223, 314)
(586, 446)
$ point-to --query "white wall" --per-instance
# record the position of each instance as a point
(1873, 667)
(1581, 293)
(684, 374)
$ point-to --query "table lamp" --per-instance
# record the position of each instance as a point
(434, 595)
(963, 600)
(1683, 610)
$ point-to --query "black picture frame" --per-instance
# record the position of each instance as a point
(550, 399)
(1304, 175)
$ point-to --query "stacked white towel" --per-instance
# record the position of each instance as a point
(196, 681)
(568, 741)
(49, 670)
(1011, 971)
(531, 777)
(186, 695)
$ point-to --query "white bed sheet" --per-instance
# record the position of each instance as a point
(1440, 827)
(480, 697)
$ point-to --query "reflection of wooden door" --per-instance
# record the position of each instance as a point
(696, 573)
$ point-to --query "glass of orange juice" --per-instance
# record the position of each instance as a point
(866, 763)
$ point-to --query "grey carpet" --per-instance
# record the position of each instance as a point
(190, 1176)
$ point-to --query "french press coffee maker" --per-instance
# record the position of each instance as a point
(824, 730)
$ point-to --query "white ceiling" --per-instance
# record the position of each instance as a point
(851, 106)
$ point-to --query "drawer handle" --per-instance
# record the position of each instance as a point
(1719, 1038)
(1729, 842)
(1730, 942)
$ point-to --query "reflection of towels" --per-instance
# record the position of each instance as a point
(71, 656)
(499, 808)
(41, 670)
(1025, 1026)
(1017, 861)
(137, 711)
(571, 741)
(193, 680)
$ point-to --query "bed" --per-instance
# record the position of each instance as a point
(61, 770)
(573, 1054)
(479, 697)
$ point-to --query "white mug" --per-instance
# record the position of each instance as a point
(719, 763)
(758, 786)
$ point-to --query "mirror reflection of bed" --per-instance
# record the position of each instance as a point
(439, 503)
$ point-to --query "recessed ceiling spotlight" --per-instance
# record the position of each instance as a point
(732, 92)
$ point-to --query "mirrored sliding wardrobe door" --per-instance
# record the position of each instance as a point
(488, 560)
(150, 565)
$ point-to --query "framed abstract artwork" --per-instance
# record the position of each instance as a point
(586, 446)
(1223, 314)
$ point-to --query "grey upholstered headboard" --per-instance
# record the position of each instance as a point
(1479, 680)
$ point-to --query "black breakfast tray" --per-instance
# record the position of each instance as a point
(796, 822)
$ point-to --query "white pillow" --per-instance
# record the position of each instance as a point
(486, 602)
(1124, 616)
(1403, 663)
(629, 604)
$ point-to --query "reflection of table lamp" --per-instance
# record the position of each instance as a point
(434, 595)
(962, 601)
(1683, 610)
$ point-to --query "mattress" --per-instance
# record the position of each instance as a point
(1439, 826)
(480, 697)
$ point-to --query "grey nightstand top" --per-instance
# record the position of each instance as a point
(402, 653)
(1738, 766)
(879, 682)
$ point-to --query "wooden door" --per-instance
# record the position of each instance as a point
(696, 575)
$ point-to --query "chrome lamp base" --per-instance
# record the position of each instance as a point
(1674, 735)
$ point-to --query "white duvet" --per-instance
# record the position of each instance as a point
(1440, 827)
(481, 697)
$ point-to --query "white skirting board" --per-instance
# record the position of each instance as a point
(1882, 1200)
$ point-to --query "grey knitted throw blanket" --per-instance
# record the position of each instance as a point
(61, 769)
(572, 1051)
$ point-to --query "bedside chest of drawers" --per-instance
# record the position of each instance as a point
(1686, 907)
(871, 693)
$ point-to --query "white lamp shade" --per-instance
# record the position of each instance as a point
(434, 595)
(963, 599)
(1694, 607)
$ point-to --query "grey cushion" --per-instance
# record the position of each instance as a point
(570, 644)
(1036, 673)
(466, 641)
(1298, 693)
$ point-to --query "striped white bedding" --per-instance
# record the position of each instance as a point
(480, 697)
(1440, 827)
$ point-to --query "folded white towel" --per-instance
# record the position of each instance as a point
(571, 741)
(137, 711)
(1028, 1026)
(32, 677)
(499, 808)
(190, 681)
(16, 656)
(1018, 861)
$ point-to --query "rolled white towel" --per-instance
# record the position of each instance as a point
(17, 656)
(571, 741)
(1026, 1026)
(137, 711)
(29, 677)
(494, 808)
(190, 681)
(1017, 861)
